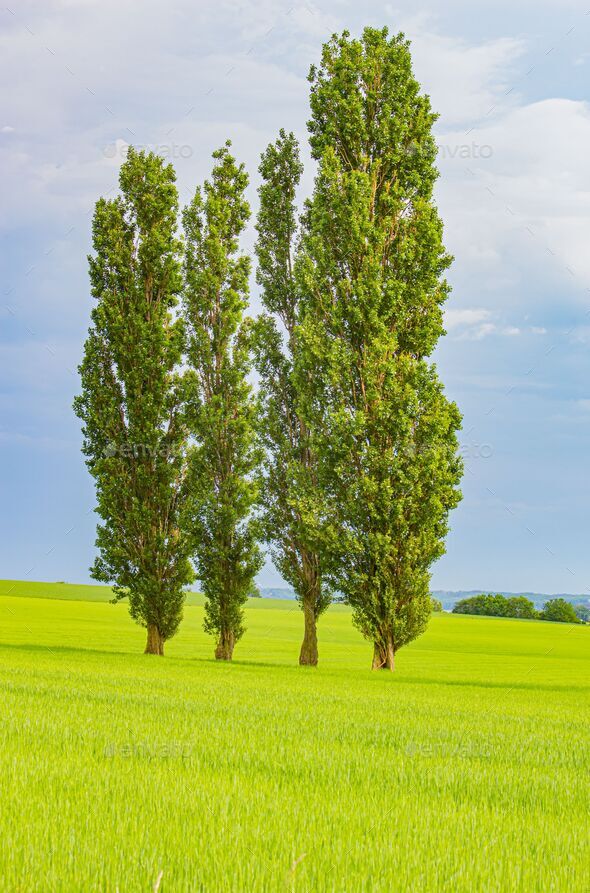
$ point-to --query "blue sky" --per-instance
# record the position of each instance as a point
(84, 79)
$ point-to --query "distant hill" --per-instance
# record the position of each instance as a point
(450, 597)
(85, 592)
(276, 592)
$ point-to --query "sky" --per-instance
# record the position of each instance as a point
(84, 79)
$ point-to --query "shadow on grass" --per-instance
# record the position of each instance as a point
(395, 678)
(57, 650)
(67, 650)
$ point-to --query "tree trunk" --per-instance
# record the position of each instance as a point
(308, 655)
(384, 654)
(155, 642)
(225, 645)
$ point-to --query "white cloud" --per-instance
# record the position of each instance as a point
(247, 62)
(512, 189)
(469, 317)
(465, 81)
(219, 65)
(474, 324)
(525, 206)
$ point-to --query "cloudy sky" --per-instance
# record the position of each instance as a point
(83, 79)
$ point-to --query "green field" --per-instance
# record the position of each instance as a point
(466, 770)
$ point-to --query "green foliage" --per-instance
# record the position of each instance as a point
(558, 610)
(131, 404)
(222, 409)
(114, 769)
(582, 613)
(497, 606)
(435, 604)
(276, 225)
(371, 278)
(519, 606)
(289, 475)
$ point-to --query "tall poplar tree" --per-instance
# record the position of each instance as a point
(372, 276)
(225, 456)
(289, 489)
(131, 403)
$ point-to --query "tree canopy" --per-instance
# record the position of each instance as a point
(371, 274)
(223, 533)
(132, 404)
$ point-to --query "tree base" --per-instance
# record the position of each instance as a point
(225, 646)
(383, 656)
(155, 642)
(308, 656)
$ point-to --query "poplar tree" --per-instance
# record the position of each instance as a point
(372, 275)
(289, 489)
(222, 408)
(132, 405)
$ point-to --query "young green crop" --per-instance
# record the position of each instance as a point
(117, 770)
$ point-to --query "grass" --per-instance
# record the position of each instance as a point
(68, 591)
(466, 770)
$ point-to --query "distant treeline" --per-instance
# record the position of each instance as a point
(557, 610)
